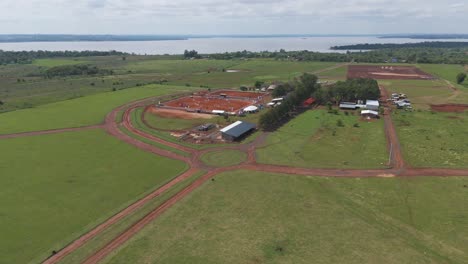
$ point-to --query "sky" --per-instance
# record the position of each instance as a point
(233, 16)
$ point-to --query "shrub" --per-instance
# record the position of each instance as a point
(340, 123)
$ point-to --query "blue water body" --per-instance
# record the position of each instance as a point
(213, 44)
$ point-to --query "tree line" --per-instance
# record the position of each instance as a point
(69, 70)
(304, 87)
(25, 57)
(350, 90)
(426, 44)
(429, 55)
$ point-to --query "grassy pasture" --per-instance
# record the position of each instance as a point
(446, 71)
(253, 217)
(77, 112)
(160, 122)
(55, 187)
(223, 158)
(421, 93)
(431, 139)
(313, 139)
(57, 62)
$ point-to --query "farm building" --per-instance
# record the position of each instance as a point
(370, 113)
(237, 130)
(372, 105)
(348, 105)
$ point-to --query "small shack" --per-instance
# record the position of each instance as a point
(251, 109)
(218, 112)
(237, 130)
(370, 113)
(308, 102)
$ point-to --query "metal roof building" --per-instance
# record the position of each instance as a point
(237, 130)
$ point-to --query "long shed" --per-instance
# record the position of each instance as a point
(237, 130)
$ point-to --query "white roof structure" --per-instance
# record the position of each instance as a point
(251, 108)
(369, 112)
(372, 102)
(218, 112)
(272, 87)
(278, 99)
(231, 126)
(271, 104)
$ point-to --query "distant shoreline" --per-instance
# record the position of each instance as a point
(22, 38)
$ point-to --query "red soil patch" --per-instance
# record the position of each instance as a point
(387, 72)
(450, 108)
(247, 95)
(208, 104)
(169, 113)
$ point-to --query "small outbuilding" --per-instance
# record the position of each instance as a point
(218, 112)
(251, 109)
(237, 130)
(309, 102)
(370, 113)
(372, 105)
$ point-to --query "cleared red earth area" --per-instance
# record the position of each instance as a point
(229, 93)
(450, 108)
(208, 104)
(387, 72)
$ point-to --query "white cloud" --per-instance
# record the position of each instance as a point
(232, 16)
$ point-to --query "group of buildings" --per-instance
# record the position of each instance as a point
(368, 109)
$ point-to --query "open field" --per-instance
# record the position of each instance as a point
(430, 139)
(24, 86)
(446, 71)
(423, 93)
(82, 253)
(84, 111)
(387, 72)
(314, 140)
(166, 119)
(223, 158)
(208, 104)
(55, 187)
(252, 217)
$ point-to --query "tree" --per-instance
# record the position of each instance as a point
(243, 88)
(279, 91)
(258, 84)
(1, 102)
(461, 77)
(191, 54)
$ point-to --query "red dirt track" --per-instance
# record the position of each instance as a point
(387, 72)
(230, 93)
(397, 168)
(208, 104)
(450, 108)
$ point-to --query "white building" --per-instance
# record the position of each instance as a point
(372, 105)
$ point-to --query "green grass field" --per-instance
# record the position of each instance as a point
(422, 93)
(83, 111)
(58, 62)
(433, 139)
(55, 187)
(314, 140)
(223, 158)
(166, 123)
(445, 71)
(253, 217)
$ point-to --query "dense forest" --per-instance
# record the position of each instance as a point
(24, 57)
(427, 44)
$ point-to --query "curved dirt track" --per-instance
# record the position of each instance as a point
(396, 162)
